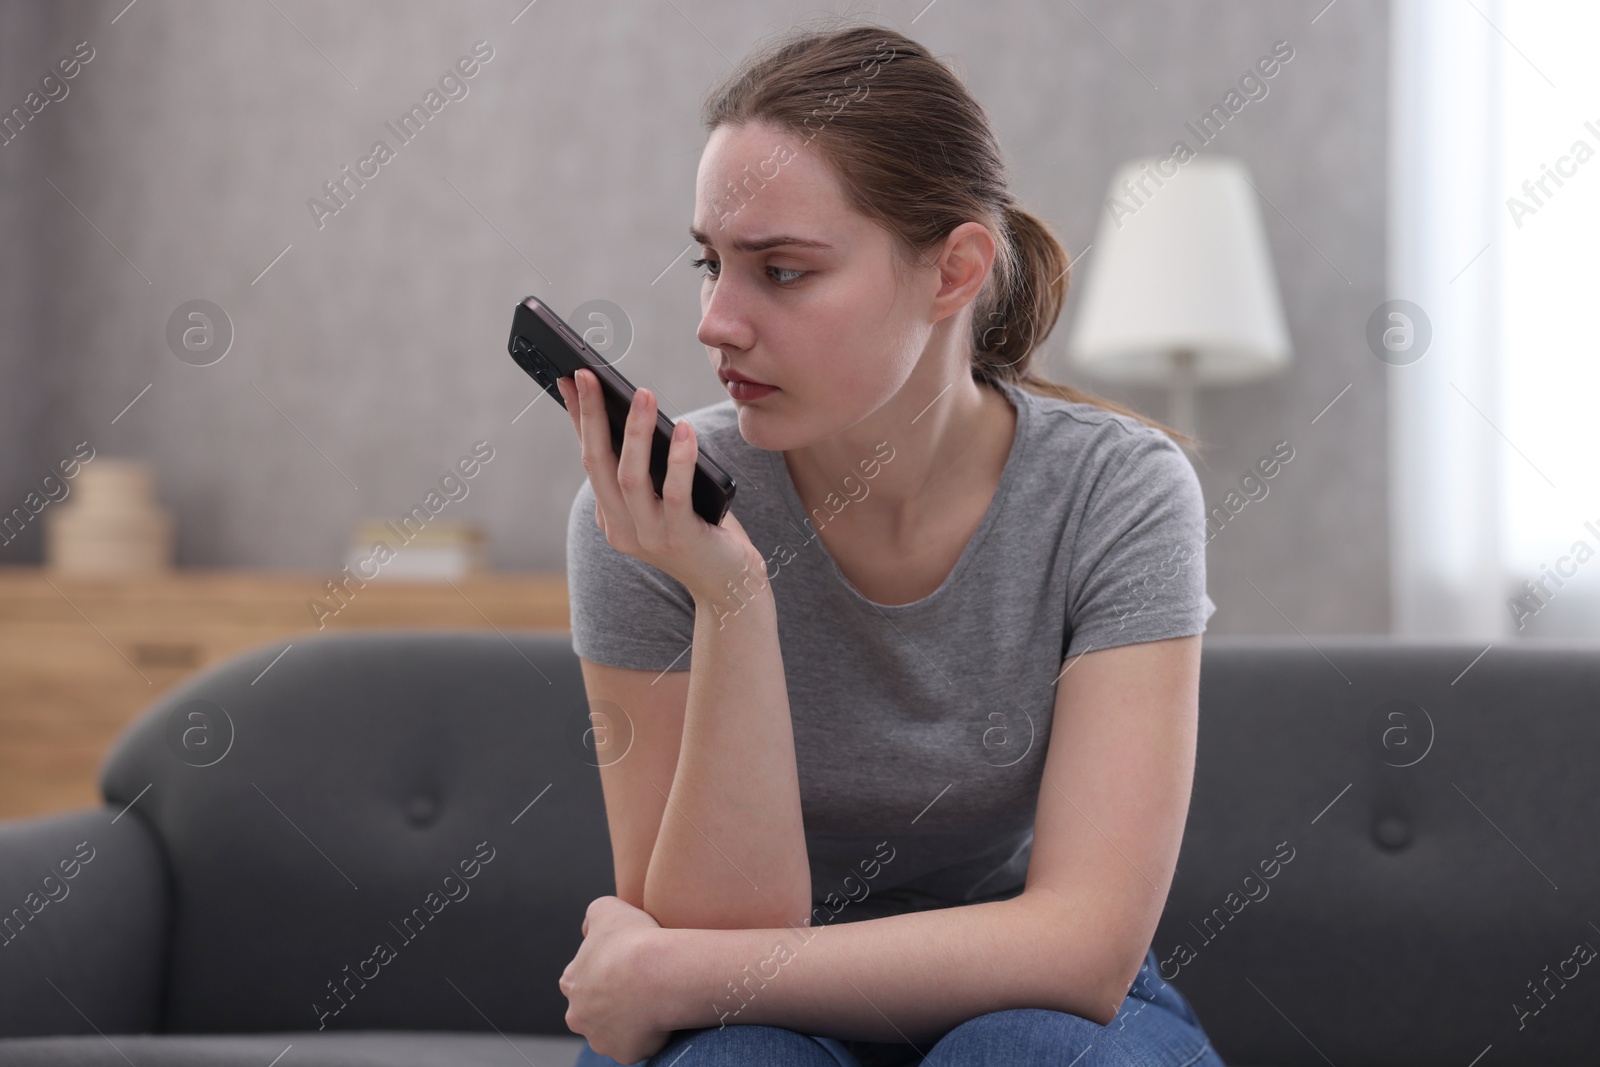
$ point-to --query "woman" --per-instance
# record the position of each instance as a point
(920, 798)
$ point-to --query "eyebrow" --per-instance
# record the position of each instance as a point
(760, 244)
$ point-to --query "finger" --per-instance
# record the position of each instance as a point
(598, 458)
(633, 465)
(569, 396)
(677, 489)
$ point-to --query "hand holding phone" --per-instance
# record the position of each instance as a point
(548, 349)
(663, 501)
(663, 530)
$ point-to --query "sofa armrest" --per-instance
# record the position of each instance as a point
(84, 917)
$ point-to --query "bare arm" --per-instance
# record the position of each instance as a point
(705, 815)
(1112, 804)
(904, 978)
(731, 850)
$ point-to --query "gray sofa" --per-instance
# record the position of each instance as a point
(1387, 862)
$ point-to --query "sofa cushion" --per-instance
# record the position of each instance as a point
(1390, 855)
(384, 829)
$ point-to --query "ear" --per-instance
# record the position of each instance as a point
(963, 261)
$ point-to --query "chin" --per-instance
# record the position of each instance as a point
(756, 428)
(769, 431)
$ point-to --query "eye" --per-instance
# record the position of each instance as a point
(709, 263)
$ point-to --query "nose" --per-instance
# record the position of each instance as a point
(723, 323)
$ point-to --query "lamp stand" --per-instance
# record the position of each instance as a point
(1181, 391)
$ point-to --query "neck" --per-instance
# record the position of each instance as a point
(944, 431)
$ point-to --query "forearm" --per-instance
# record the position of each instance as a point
(731, 849)
(905, 978)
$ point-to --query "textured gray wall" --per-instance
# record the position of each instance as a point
(371, 355)
(24, 30)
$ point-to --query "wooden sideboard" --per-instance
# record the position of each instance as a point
(81, 657)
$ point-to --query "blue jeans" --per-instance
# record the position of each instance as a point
(1155, 1027)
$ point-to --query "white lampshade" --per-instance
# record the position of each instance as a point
(1180, 269)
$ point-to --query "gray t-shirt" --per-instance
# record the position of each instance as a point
(920, 729)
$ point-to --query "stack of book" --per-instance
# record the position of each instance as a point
(441, 549)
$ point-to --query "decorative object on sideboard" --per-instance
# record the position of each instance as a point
(113, 524)
(444, 548)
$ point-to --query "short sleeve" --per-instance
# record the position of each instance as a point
(624, 612)
(1139, 567)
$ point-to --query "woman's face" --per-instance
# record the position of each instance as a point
(833, 326)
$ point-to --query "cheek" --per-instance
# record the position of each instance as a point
(840, 386)
(864, 327)
(859, 351)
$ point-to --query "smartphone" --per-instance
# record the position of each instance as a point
(547, 348)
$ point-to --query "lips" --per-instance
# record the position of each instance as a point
(735, 376)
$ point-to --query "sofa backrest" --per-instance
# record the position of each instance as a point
(1391, 853)
(1389, 858)
(384, 828)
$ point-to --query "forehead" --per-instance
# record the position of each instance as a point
(758, 180)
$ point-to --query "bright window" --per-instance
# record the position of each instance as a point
(1549, 353)
(1494, 233)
